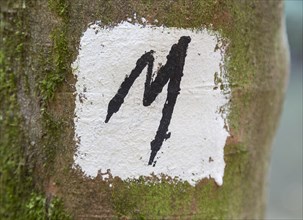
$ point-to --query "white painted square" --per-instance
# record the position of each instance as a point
(195, 149)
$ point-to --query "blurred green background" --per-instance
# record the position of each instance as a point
(285, 177)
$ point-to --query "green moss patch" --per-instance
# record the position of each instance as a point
(41, 208)
(59, 62)
(20, 199)
(15, 180)
(151, 197)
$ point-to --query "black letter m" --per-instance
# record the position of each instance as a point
(170, 73)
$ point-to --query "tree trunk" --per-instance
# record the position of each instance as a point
(38, 95)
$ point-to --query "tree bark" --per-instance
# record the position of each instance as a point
(39, 41)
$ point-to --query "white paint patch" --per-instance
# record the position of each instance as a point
(198, 126)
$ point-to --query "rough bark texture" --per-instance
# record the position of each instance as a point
(39, 40)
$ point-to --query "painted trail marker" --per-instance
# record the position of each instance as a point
(148, 102)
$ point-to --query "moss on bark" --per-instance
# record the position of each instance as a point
(20, 199)
(14, 179)
(37, 92)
